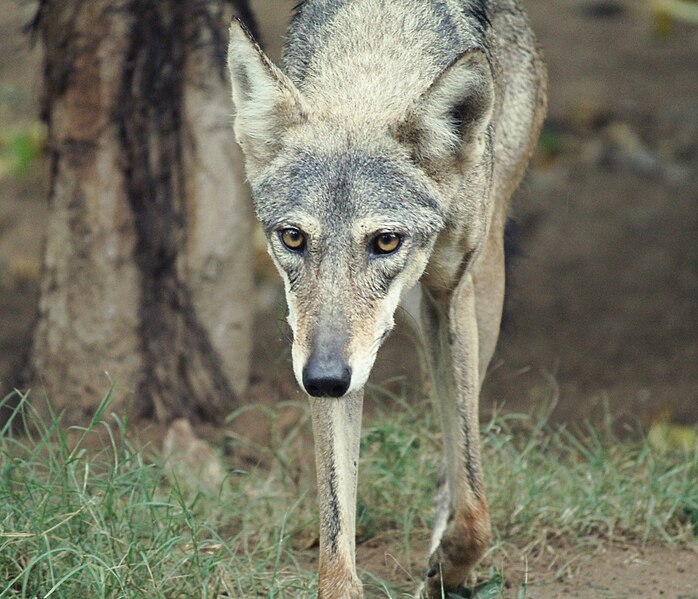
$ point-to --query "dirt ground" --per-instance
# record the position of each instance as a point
(615, 572)
(602, 306)
(604, 295)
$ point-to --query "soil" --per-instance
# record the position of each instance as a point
(602, 307)
(613, 572)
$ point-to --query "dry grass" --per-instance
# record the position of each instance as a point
(111, 524)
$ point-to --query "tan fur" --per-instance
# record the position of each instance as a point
(379, 125)
(338, 579)
(337, 431)
(463, 544)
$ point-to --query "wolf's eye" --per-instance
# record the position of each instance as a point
(386, 243)
(293, 239)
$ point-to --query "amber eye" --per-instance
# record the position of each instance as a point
(293, 239)
(386, 243)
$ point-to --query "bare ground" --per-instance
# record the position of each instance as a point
(613, 572)
(602, 307)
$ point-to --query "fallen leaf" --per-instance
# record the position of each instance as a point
(666, 437)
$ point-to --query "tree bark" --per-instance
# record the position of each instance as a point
(147, 275)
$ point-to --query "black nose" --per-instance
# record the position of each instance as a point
(326, 377)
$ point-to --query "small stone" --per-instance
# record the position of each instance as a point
(190, 460)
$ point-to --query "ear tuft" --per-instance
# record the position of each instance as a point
(266, 101)
(450, 119)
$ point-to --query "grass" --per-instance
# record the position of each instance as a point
(111, 522)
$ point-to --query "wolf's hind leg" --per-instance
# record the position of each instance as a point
(462, 530)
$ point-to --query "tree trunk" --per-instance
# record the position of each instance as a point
(147, 275)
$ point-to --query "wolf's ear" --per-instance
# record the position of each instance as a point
(449, 121)
(266, 101)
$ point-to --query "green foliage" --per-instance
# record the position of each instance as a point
(551, 143)
(551, 483)
(489, 589)
(77, 523)
(666, 12)
(107, 522)
(21, 150)
(399, 468)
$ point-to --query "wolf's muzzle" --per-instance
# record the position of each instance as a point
(326, 376)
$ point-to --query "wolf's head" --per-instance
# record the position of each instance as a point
(352, 212)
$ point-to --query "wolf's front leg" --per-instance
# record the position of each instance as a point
(337, 433)
(462, 527)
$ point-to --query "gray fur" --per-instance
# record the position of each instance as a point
(455, 27)
(410, 117)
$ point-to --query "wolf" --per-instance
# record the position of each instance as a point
(384, 154)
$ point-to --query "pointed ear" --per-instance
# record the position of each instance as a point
(266, 101)
(449, 121)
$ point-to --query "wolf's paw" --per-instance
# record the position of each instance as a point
(339, 584)
(462, 545)
(444, 576)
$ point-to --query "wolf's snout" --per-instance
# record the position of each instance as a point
(326, 376)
